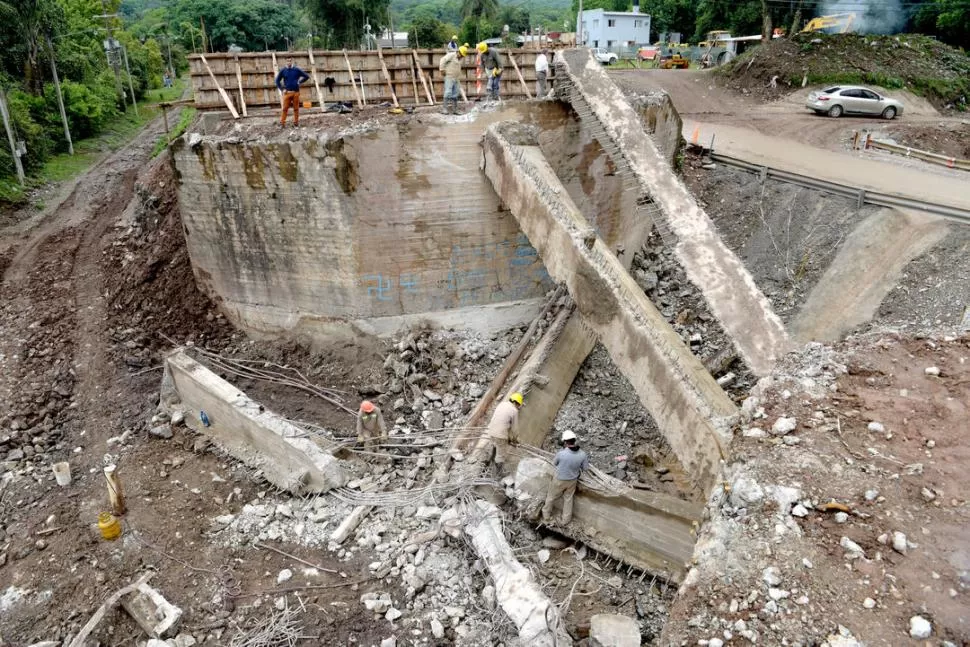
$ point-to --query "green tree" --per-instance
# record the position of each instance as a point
(479, 8)
(516, 17)
(428, 32)
(671, 15)
(948, 20)
(253, 25)
(26, 25)
(343, 20)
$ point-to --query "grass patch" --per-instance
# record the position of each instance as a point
(186, 115)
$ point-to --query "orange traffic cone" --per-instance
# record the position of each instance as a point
(695, 138)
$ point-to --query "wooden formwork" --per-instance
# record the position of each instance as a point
(405, 76)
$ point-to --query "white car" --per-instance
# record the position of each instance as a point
(853, 100)
(605, 56)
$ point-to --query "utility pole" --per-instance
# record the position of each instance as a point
(124, 50)
(60, 97)
(109, 49)
(579, 25)
(168, 42)
(13, 144)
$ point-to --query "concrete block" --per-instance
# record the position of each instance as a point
(609, 630)
(259, 438)
(158, 617)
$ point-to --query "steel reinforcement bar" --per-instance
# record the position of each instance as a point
(862, 196)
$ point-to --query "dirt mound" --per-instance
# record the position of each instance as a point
(945, 138)
(917, 63)
(151, 291)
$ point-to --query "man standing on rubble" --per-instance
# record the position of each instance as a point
(288, 82)
(570, 463)
(450, 66)
(501, 432)
(492, 64)
(542, 72)
(370, 425)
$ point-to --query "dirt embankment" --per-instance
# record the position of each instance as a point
(910, 61)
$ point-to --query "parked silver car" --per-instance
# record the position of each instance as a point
(853, 100)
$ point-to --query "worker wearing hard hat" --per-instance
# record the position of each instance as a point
(453, 44)
(501, 432)
(450, 66)
(370, 424)
(491, 62)
(570, 462)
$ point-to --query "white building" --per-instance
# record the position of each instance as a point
(615, 30)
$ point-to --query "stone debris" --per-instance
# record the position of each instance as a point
(900, 544)
(154, 614)
(284, 576)
(876, 427)
(920, 627)
(609, 630)
(784, 426)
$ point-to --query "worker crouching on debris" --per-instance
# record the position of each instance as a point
(288, 82)
(492, 64)
(370, 425)
(450, 65)
(501, 432)
(570, 462)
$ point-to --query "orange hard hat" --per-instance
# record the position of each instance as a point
(367, 406)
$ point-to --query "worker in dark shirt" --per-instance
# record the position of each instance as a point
(288, 81)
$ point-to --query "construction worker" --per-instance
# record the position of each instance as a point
(288, 82)
(453, 44)
(450, 65)
(570, 462)
(500, 433)
(492, 64)
(542, 72)
(370, 424)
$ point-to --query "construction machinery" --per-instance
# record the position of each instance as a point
(838, 23)
(674, 62)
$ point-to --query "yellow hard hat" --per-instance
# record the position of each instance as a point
(454, 38)
(516, 398)
(463, 51)
(482, 47)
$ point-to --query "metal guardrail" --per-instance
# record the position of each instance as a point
(926, 156)
(861, 195)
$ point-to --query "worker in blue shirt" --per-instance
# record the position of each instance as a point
(288, 82)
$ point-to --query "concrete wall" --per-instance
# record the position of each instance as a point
(691, 410)
(375, 226)
(257, 437)
(661, 119)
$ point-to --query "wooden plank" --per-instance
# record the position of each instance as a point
(387, 76)
(242, 95)
(225, 96)
(353, 82)
(427, 92)
(276, 73)
(414, 81)
(521, 80)
(313, 73)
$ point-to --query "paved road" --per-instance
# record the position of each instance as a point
(783, 153)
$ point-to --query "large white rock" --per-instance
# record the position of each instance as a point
(920, 627)
(608, 630)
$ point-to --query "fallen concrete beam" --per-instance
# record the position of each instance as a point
(691, 410)
(516, 591)
(649, 531)
(242, 427)
(730, 291)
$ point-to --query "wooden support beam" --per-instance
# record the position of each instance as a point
(353, 80)
(417, 64)
(313, 74)
(222, 93)
(276, 72)
(387, 76)
(242, 93)
(414, 81)
(525, 87)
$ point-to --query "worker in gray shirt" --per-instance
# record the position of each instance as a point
(570, 461)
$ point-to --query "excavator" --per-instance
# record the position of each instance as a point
(839, 23)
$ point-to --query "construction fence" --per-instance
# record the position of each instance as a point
(239, 82)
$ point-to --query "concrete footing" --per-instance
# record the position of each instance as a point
(691, 410)
(247, 431)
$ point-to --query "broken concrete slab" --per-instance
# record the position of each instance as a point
(516, 591)
(154, 614)
(730, 291)
(647, 530)
(693, 412)
(258, 437)
(609, 630)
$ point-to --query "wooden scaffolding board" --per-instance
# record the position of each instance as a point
(259, 91)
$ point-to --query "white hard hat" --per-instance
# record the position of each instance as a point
(568, 435)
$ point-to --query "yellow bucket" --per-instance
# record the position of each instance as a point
(307, 105)
(109, 526)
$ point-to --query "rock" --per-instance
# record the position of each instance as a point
(852, 549)
(284, 576)
(869, 603)
(554, 543)
(15, 455)
(799, 511)
(715, 642)
(778, 594)
(437, 629)
(745, 492)
(542, 556)
(928, 494)
(841, 517)
(871, 495)
(920, 627)
(392, 614)
(899, 542)
(389, 642)
(876, 427)
(455, 612)
(608, 630)
(428, 512)
(616, 582)
(185, 640)
(935, 372)
(161, 431)
(488, 596)
(475, 391)
(784, 426)
(771, 576)
(753, 432)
